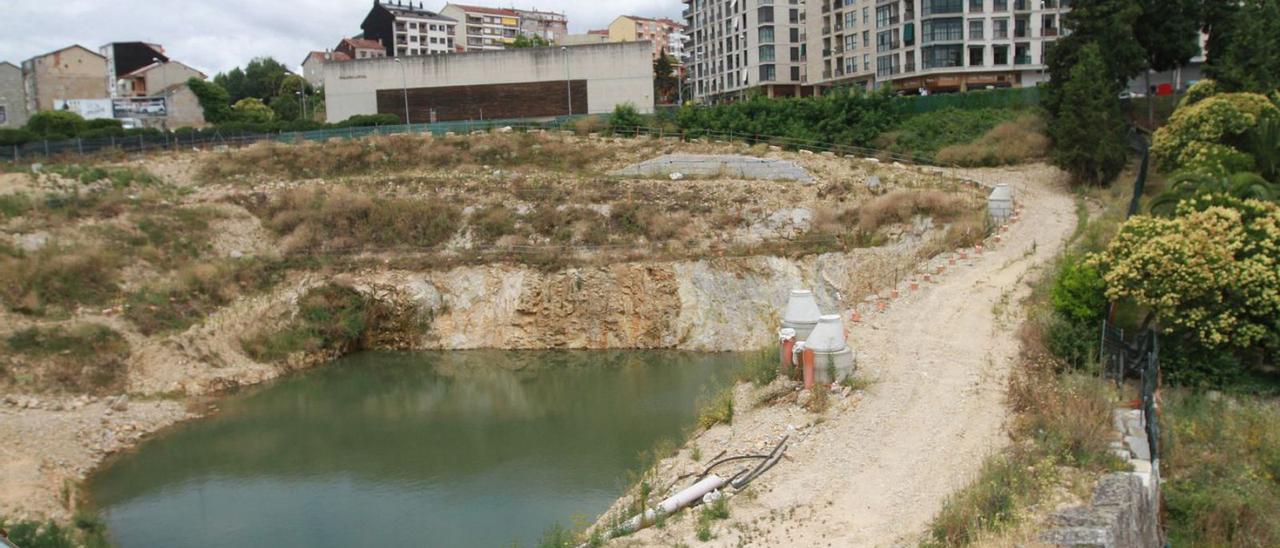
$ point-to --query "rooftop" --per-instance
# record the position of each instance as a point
(490, 11)
(408, 8)
(360, 43)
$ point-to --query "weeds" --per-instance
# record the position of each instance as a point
(718, 410)
(89, 532)
(198, 290)
(341, 220)
(710, 513)
(760, 368)
(1021, 140)
(56, 279)
(1004, 484)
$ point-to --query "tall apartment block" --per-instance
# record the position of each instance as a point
(742, 45)
(957, 45)
(406, 28)
(549, 25)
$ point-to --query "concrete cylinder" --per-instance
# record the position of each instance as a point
(802, 313)
(833, 359)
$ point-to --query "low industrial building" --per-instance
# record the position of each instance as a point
(508, 84)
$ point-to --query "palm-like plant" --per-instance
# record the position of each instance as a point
(1263, 143)
(1192, 184)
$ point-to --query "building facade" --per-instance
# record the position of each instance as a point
(405, 28)
(958, 45)
(548, 25)
(665, 35)
(13, 102)
(483, 29)
(360, 48)
(515, 83)
(127, 57)
(743, 45)
(71, 73)
(152, 78)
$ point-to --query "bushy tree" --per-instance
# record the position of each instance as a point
(625, 118)
(1206, 135)
(1089, 133)
(1244, 46)
(252, 110)
(664, 78)
(260, 79)
(1108, 22)
(843, 116)
(55, 124)
(1169, 32)
(529, 41)
(1209, 273)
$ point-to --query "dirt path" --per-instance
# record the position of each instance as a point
(879, 467)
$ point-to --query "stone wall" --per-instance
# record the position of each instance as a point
(1125, 510)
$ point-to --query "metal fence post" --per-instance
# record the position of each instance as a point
(46, 148)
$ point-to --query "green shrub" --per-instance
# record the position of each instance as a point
(1090, 136)
(1075, 343)
(1023, 139)
(16, 136)
(718, 410)
(625, 118)
(1199, 91)
(55, 124)
(369, 120)
(1079, 293)
(14, 205)
(843, 116)
(89, 533)
(761, 367)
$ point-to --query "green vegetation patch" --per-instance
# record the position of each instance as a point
(926, 134)
(197, 291)
(57, 279)
(339, 220)
(331, 318)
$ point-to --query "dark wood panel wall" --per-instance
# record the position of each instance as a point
(488, 102)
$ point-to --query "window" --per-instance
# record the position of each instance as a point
(767, 54)
(766, 35)
(768, 73)
(942, 56)
(866, 61)
(795, 36)
(793, 16)
(975, 56)
(866, 38)
(975, 6)
(1001, 55)
(766, 14)
(795, 55)
(4, 115)
(795, 74)
(975, 29)
(942, 30)
(1000, 29)
(850, 19)
(1000, 5)
(932, 7)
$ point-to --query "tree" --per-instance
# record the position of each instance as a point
(1169, 31)
(260, 79)
(252, 110)
(1109, 22)
(1207, 135)
(214, 100)
(529, 41)
(1090, 135)
(1193, 185)
(1244, 49)
(1209, 273)
(664, 78)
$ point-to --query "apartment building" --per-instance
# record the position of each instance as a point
(548, 25)
(667, 36)
(405, 28)
(743, 45)
(933, 45)
(483, 29)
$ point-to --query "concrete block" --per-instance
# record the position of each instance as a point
(1139, 447)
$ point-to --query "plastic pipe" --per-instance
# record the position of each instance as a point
(807, 358)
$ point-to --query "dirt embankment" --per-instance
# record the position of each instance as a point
(201, 264)
(877, 463)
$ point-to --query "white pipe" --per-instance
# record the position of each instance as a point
(673, 503)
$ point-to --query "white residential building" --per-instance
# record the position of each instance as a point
(406, 28)
(742, 45)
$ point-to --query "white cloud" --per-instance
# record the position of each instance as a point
(216, 35)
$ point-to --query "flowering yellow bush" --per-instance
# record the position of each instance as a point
(1198, 134)
(1212, 272)
(1199, 91)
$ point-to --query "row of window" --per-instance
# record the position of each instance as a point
(424, 27)
(953, 56)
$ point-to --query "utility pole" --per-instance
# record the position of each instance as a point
(568, 84)
(404, 85)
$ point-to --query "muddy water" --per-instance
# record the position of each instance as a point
(408, 449)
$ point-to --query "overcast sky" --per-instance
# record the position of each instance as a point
(216, 35)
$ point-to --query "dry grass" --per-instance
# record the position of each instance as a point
(198, 290)
(340, 220)
(85, 358)
(398, 153)
(56, 279)
(1019, 141)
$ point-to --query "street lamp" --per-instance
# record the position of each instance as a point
(404, 85)
(568, 84)
(304, 103)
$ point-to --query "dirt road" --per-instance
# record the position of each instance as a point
(879, 466)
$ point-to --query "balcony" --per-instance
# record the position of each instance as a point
(1022, 59)
(1049, 31)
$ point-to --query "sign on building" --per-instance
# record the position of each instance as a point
(89, 109)
(139, 107)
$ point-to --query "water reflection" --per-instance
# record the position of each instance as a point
(436, 449)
